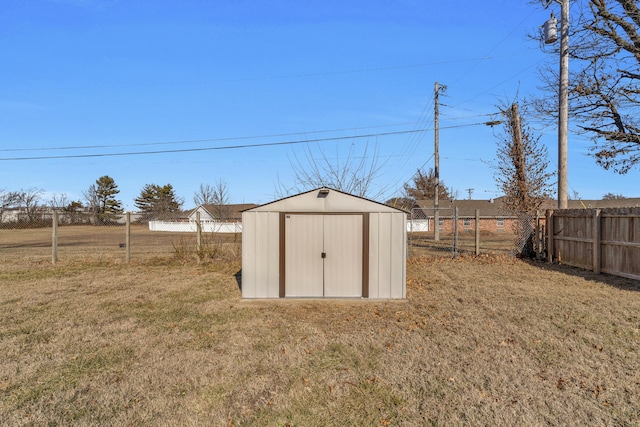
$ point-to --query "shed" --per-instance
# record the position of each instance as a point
(324, 243)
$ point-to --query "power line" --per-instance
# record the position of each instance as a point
(192, 141)
(232, 147)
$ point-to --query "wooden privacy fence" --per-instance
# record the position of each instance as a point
(601, 240)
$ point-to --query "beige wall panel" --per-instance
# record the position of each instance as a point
(248, 255)
(374, 278)
(384, 256)
(261, 255)
(398, 238)
(273, 254)
(343, 262)
(303, 261)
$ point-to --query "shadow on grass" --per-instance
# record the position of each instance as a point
(607, 279)
(238, 277)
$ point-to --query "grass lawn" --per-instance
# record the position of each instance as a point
(479, 341)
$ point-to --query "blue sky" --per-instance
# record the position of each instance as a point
(184, 79)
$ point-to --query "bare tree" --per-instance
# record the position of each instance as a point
(522, 173)
(29, 200)
(58, 201)
(204, 196)
(7, 201)
(216, 195)
(220, 200)
(522, 169)
(353, 174)
(91, 197)
(604, 84)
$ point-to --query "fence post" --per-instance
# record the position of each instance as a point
(455, 237)
(127, 238)
(198, 236)
(54, 237)
(477, 232)
(550, 232)
(596, 241)
(410, 245)
(538, 244)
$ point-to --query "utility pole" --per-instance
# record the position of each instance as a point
(436, 157)
(470, 191)
(519, 160)
(563, 113)
(550, 35)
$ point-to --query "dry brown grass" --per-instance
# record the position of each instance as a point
(105, 243)
(479, 341)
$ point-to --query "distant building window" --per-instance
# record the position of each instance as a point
(500, 223)
(466, 222)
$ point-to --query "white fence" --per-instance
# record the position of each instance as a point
(192, 227)
(416, 225)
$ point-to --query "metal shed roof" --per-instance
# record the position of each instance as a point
(324, 199)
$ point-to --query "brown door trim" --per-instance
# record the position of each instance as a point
(365, 248)
(365, 255)
(281, 257)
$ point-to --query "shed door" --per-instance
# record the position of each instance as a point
(323, 255)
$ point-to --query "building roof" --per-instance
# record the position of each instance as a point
(325, 199)
(234, 210)
(496, 207)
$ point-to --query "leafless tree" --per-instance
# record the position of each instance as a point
(522, 168)
(220, 200)
(91, 197)
(522, 173)
(354, 173)
(59, 201)
(604, 84)
(29, 200)
(7, 201)
(204, 195)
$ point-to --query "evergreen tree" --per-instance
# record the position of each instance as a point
(101, 199)
(159, 202)
(423, 187)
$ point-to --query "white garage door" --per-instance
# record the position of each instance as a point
(323, 255)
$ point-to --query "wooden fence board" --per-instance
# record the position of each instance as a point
(606, 240)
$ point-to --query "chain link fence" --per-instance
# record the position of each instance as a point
(473, 234)
(62, 236)
(32, 236)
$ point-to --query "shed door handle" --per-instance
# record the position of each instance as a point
(324, 255)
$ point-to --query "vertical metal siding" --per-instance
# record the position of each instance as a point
(303, 262)
(374, 279)
(384, 256)
(248, 255)
(397, 259)
(343, 264)
(273, 254)
(261, 259)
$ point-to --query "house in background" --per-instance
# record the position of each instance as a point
(493, 214)
(225, 213)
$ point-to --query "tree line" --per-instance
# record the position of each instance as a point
(101, 205)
